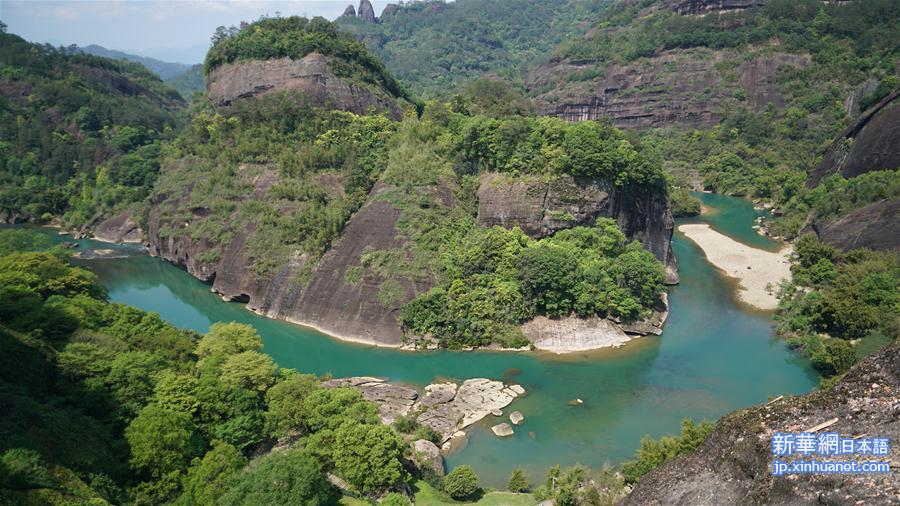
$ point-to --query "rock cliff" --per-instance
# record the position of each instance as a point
(870, 143)
(733, 465)
(327, 301)
(365, 11)
(875, 226)
(684, 87)
(541, 206)
(702, 7)
(311, 75)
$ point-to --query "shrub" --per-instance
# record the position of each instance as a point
(518, 481)
(461, 482)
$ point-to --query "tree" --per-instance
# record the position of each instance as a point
(461, 482)
(547, 275)
(285, 403)
(368, 456)
(329, 408)
(208, 479)
(249, 369)
(228, 339)
(518, 481)
(289, 478)
(161, 441)
(132, 378)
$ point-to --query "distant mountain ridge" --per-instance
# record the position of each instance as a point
(165, 70)
(183, 77)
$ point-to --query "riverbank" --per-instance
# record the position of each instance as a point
(757, 271)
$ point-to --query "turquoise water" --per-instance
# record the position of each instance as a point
(712, 358)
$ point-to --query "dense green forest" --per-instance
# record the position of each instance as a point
(467, 39)
(114, 405)
(80, 135)
(839, 307)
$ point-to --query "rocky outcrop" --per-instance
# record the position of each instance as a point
(875, 226)
(366, 12)
(426, 453)
(393, 401)
(701, 7)
(572, 334)
(446, 408)
(120, 228)
(683, 87)
(389, 11)
(327, 301)
(311, 75)
(733, 465)
(541, 206)
(349, 12)
(871, 143)
(502, 430)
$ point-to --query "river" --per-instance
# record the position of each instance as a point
(713, 357)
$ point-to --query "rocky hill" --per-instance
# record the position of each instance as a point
(734, 464)
(659, 63)
(295, 192)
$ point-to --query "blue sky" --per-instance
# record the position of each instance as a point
(171, 30)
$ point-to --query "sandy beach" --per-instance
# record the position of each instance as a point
(754, 269)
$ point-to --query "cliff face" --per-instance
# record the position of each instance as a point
(541, 206)
(875, 226)
(701, 7)
(328, 300)
(310, 75)
(871, 143)
(684, 87)
(734, 464)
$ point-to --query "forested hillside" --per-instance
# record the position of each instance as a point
(740, 102)
(80, 135)
(433, 46)
(107, 404)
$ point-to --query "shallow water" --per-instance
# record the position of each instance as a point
(713, 357)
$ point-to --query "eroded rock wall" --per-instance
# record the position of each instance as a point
(683, 87)
(870, 143)
(541, 206)
(310, 75)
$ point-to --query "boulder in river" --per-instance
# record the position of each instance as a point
(502, 430)
(516, 418)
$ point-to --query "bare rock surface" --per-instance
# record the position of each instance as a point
(517, 418)
(393, 400)
(502, 430)
(875, 226)
(121, 228)
(870, 143)
(310, 75)
(682, 87)
(573, 334)
(474, 400)
(445, 408)
(426, 453)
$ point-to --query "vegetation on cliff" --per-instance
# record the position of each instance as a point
(840, 307)
(79, 135)
(112, 404)
(296, 37)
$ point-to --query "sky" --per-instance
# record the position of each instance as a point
(170, 30)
